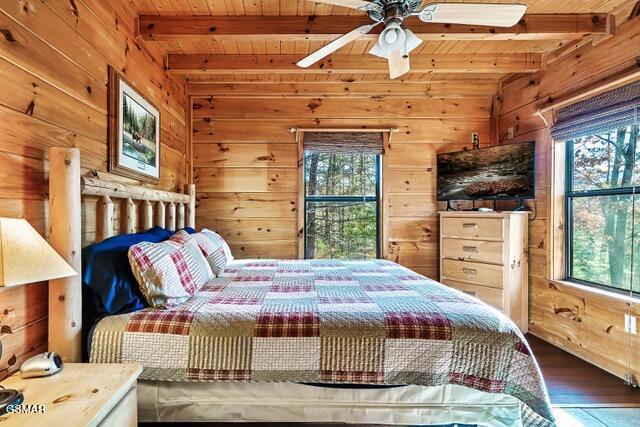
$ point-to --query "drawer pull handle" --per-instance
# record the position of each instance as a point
(469, 271)
(471, 249)
(470, 225)
(472, 293)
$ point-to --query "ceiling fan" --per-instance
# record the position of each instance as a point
(396, 42)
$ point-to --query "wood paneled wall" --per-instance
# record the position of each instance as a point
(245, 157)
(585, 322)
(53, 68)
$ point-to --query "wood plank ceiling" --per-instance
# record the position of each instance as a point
(456, 59)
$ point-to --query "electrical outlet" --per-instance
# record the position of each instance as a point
(630, 324)
(475, 138)
(511, 133)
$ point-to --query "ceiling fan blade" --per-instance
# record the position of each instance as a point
(334, 45)
(493, 15)
(412, 42)
(398, 64)
(352, 4)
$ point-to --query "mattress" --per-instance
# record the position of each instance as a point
(329, 321)
(170, 401)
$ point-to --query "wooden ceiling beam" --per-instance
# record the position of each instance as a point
(389, 88)
(324, 28)
(353, 64)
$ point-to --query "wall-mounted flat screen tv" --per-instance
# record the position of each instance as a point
(494, 173)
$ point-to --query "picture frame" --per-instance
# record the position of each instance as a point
(133, 132)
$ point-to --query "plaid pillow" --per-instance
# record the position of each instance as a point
(169, 272)
(214, 248)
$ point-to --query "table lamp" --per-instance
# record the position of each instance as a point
(25, 257)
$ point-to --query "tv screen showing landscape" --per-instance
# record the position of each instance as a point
(500, 172)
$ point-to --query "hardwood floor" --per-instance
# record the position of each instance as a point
(582, 394)
(597, 417)
(573, 382)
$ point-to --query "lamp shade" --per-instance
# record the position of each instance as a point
(26, 257)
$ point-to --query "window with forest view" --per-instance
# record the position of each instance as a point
(603, 209)
(341, 205)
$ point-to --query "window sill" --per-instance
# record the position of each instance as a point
(597, 291)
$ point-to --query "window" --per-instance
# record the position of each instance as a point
(341, 203)
(603, 209)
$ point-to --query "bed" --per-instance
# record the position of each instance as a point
(296, 340)
(308, 323)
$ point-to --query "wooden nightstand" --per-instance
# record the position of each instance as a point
(82, 394)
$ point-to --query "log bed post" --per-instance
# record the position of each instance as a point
(191, 207)
(160, 214)
(128, 217)
(180, 223)
(65, 295)
(171, 216)
(146, 218)
(105, 218)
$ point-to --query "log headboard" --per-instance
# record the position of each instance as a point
(157, 207)
(140, 208)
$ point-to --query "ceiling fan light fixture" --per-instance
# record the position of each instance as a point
(409, 42)
(378, 51)
(390, 37)
(412, 41)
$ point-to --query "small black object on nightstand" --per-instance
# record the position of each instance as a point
(9, 397)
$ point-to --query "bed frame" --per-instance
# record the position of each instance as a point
(66, 188)
(251, 402)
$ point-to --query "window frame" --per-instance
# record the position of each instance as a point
(569, 196)
(344, 199)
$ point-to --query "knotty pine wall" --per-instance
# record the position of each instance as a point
(53, 69)
(245, 157)
(587, 323)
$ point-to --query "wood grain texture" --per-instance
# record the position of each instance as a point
(361, 64)
(239, 155)
(245, 159)
(65, 294)
(390, 88)
(582, 321)
(583, 384)
(53, 64)
(299, 27)
(276, 129)
(356, 108)
(94, 394)
(327, 28)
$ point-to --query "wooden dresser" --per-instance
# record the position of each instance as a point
(485, 254)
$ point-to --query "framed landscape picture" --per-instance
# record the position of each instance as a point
(134, 132)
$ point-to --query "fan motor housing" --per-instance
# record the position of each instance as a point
(390, 9)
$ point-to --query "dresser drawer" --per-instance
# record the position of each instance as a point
(472, 250)
(472, 272)
(493, 297)
(473, 228)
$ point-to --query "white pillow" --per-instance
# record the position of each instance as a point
(214, 248)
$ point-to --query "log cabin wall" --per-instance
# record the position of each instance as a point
(245, 157)
(587, 323)
(53, 62)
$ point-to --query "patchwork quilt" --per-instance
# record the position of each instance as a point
(329, 321)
